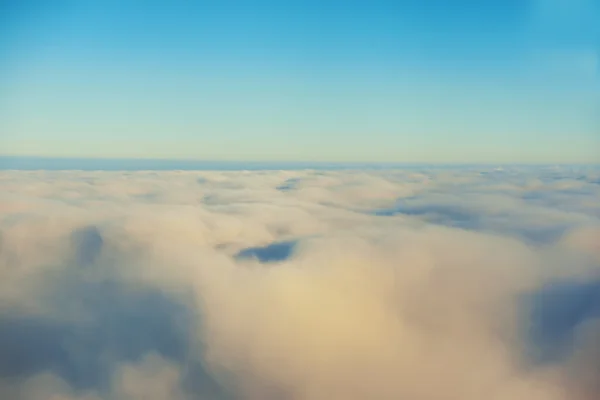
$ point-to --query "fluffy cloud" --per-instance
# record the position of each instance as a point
(421, 284)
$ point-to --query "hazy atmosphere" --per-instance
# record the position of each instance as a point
(300, 200)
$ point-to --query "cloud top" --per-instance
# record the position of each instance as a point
(302, 285)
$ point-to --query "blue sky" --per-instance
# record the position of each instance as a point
(328, 80)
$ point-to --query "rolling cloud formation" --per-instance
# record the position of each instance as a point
(417, 284)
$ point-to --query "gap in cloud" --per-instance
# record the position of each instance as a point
(271, 253)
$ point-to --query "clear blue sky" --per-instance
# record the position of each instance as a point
(313, 80)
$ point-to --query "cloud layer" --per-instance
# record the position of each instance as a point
(421, 284)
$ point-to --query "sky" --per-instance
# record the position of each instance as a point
(328, 81)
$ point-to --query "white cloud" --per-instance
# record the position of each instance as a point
(401, 284)
(151, 379)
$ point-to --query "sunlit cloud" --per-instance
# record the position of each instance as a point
(308, 285)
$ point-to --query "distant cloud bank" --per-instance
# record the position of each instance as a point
(422, 284)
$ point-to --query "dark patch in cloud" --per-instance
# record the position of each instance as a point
(458, 216)
(538, 234)
(449, 215)
(30, 345)
(556, 311)
(107, 323)
(200, 385)
(289, 184)
(274, 252)
(88, 243)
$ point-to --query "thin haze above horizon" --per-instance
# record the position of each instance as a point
(328, 81)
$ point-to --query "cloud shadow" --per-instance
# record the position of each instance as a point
(555, 312)
(274, 252)
(289, 185)
(87, 243)
(458, 216)
(109, 323)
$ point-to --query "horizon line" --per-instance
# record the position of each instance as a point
(212, 163)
